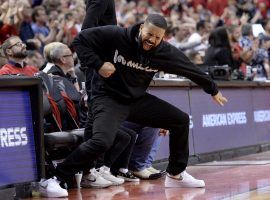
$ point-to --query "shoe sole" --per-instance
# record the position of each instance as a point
(95, 186)
(52, 195)
(116, 184)
(151, 177)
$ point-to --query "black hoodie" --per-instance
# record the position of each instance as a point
(135, 67)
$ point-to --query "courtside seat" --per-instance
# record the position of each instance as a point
(60, 139)
(78, 132)
(57, 140)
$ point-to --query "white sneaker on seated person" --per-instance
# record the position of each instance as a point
(155, 171)
(106, 174)
(51, 188)
(94, 180)
(183, 180)
(146, 174)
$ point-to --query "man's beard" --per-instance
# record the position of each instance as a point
(20, 55)
(140, 42)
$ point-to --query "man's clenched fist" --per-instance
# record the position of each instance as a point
(106, 70)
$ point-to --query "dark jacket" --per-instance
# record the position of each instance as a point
(56, 70)
(134, 66)
(99, 13)
(65, 83)
(219, 52)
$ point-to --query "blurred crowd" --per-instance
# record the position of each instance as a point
(203, 29)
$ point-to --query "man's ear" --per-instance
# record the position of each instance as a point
(141, 26)
(8, 52)
(62, 59)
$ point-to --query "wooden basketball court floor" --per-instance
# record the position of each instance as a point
(241, 178)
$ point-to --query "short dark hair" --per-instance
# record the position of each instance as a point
(157, 20)
(36, 12)
(246, 30)
(200, 25)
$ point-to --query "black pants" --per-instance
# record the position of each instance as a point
(119, 154)
(108, 116)
(121, 159)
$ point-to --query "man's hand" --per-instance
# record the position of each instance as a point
(71, 71)
(221, 100)
(163, 132)
(106, 70)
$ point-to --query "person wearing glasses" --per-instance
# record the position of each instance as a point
(63, 73)
(15, 51)
(63, 61)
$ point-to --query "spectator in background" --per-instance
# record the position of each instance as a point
(47, 55)
(33, 44)
(70, 28)
(180, 38)
(246, 41)
(203, 29)
(40, 19)
(219, 52)
(128, 20)
(260, 61)
(35, 59)
(263, 7)
(42, 32)
(266, 35)
(26, 31)
(64, 75)
(241, 57)
(62, 57)
(15, 51)
(8, 20)
(249, 43)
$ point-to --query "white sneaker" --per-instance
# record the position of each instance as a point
(147, 175)
(153, 170)
(106, 174)
(95, 180)
(185, 180)
(51, 188)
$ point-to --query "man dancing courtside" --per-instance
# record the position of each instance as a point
(125, 60)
